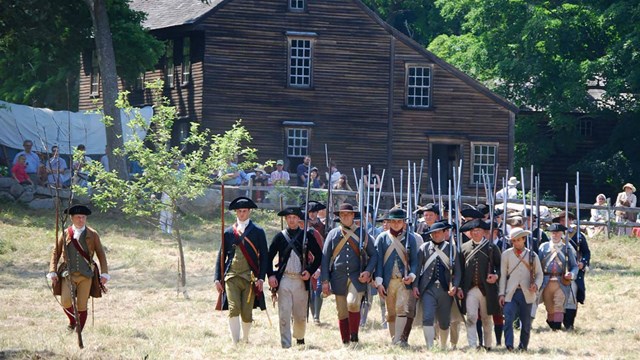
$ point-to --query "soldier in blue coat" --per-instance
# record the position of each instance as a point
(347, 264)
(245, 267)
(438, 282)
(396, 271)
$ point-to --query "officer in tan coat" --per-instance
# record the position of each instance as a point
(77, 247)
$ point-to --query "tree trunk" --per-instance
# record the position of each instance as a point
(109, 82)
(182, 271)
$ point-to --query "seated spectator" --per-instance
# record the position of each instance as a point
(19, 171)
(341, 184)
(279, 177)
(315, 180)
(32, 161)
(57, 170)
(81, 176)
(598, 215)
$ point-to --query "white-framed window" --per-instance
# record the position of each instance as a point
(586, 127)
(169, 66)
(297, 142)
(95, 75)
(300, 69)
(186, 60)
(484, 158)
(297, 5)
(140, 81)
(418, 86)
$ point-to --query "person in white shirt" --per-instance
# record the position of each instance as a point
(510, 190)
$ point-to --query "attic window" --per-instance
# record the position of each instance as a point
(169, 66)
(300, 69)
(95, 75)
(418, 86)
(586, 127)
(186, 60)
(297, 5)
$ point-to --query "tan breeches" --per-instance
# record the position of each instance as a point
(240, 297)
(553, 297)
(349, 303)
(292, 304)
(397, 300)
(82, 286)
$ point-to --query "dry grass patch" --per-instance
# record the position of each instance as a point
(143, 317)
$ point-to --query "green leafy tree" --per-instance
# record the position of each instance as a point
(167, 170)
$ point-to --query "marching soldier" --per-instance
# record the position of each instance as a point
(583, 257)
(244, 270)
(345, 272)
(517, 293)
(481, 272)
(290, 279)
(436, 285)
(396, 271)
(77, 246)
(560, 269)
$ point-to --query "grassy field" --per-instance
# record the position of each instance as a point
(143, 317)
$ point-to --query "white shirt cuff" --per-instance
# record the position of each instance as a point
(52, 275)
(106, 276)
(412, 276)
(378, 281)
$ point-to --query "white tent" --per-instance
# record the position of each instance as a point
(46, 128)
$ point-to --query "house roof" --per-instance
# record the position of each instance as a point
(169, 13)
(163, 14)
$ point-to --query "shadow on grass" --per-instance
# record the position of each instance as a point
(615, 269)
(25, 354)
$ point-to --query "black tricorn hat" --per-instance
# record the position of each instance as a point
(498, 212)
(431, 207)
(77, 210)
(562, 214)
(556, 227)
(437, 226)
(475, 223)
(313, 206)
(242, 203)
(291, 210)
(483, 208)
(346, 207)
(472, 213)
(396, 214)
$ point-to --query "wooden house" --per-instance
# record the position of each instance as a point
(305, 73)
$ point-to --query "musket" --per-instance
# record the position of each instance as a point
(401, 183)
(451, 261)
(504, 216)
(305, 238)
(329, 194)
(433, 192)
(281, 207)
(566, 282)
(376, 205)
(487, 187)
(419, 181)
(222, 253)
(439, 191)
(577, 210)
(409, 225)
(537, 227)
(363, 222)
(393, 188)
(532, 193)
(476, 193)
(415, 198)
(355, 177)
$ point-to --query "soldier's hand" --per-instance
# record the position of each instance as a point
(54, 281)
(407, 280)
(325, 289)
(492, 278)
(365, 277)
(305, 275)
(452, 291)
(259, 285)
(533, 288)
(580, 265)
(460, 294)
(382, 292)
(219, 287)
(501, 300)
(416, 293)
(316, 275)
(273, 282)
(568, 276)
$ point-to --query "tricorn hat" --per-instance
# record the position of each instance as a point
(431, 207)
(345, 207)
(472, 213)
(291, 210)
(562, 214)
(473, 224)
(78, 210)
(556, 227)
(396, 214)
(483, 208)
(313, 206)
(437, 226)
(242, 203)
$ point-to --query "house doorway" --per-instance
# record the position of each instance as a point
(449, 156)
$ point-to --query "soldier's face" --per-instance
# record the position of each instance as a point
(79, 220)
(556, 236)
(438, 236)
(293, 221)
(430, 217)
(477, 234)
(243, 214)
(396, 224)
(518, 243)
(346, 218)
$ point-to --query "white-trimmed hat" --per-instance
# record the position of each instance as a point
(513, 181)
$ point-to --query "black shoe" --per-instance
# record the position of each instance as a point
(509, 348)
(354, 338)
(300, 341)
(522, 349)
(71, 327)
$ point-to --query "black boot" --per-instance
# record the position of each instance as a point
(569, 318)
(354, 338)
(497, 329)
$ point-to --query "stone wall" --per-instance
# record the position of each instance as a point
(36, 197)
